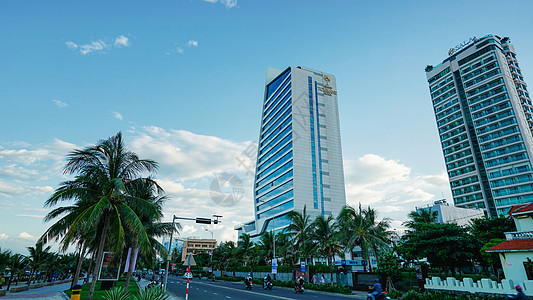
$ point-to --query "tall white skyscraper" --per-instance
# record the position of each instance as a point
(299, 159)
(484, 116)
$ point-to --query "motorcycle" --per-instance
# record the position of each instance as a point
(154, 283)
(299, 288)
(268, 285)
(248, 284)
(382, 296)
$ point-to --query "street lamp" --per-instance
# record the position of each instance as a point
(199, 221)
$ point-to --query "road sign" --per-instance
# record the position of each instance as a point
(302, 266)
(189, 261)
(274, 269)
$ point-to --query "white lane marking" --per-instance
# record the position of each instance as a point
(228, 297)
(215, 294)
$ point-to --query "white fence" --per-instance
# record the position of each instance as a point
(481, 286)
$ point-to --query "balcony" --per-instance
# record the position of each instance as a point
(519, 235)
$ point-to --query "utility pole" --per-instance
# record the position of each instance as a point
(197, 220)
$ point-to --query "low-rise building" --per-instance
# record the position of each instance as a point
(516, 253)
(452, 214)
(193, 246)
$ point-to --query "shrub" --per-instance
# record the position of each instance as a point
(335, 288)
(116, 293)
(155, 293)
(443, 296)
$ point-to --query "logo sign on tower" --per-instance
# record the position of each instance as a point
(461, 45)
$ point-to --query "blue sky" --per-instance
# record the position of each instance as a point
(184, 82)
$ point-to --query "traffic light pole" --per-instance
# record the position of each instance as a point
(198, 220)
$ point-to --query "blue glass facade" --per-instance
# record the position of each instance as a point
(274, 172)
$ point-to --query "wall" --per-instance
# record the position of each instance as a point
(482, 286)
(513, 264)
(344, 279)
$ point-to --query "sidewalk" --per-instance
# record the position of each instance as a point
(53, 292)
(143, 283)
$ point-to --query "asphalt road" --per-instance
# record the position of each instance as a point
(204, 289)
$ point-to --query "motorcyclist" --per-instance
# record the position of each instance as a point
(299, 284)
(375, 290)
(519, 295)
(249, 280)
(267, 281)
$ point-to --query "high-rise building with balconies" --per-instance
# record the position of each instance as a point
(484, 117)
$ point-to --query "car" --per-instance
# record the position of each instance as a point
(187, 275)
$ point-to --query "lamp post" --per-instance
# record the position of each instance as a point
(212, 252)
(198, 220)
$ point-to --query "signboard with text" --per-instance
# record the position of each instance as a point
(109, 268)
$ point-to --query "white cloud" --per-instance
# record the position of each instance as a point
(185, 155)
(122, 41)
(30, 216)
(117, 116)
(26, 236)
(99, 45)
(229, 3)
(192, 43)
(3, 236)
(179, 50)
(59, 103)
(390, 186)
(226, 3)
(95, 46)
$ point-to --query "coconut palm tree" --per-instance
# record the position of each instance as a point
(17, 264)
(266, 245)
(300, 229)
(37, 258)
(325, 235)
(359, 227)
(104, 204)
(5, 256)
(427, 216)
(246, 250)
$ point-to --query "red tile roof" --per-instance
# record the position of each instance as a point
(512, 246)
(521, 209)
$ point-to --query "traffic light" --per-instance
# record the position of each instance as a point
(203, 221)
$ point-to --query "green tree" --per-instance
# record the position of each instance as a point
(266, 245)
(104, 173)
(300, 229)
(359, 227)
(445, 246)
(389, 269)
(38, 256)
(493, 259)
(326, 237)
(246, 250)
(426, 215)
(486, 229)
(5, 257)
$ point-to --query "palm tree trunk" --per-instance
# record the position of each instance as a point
(89, 269)
(330, 269)
(78, 267)
(98, 259)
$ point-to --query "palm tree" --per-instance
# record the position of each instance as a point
(427, 216)
(104, 203)
(246, 249)
(325, 235)
(17, 264)
(266, 245)
(150, 191)
(37, 258)
(359, 227)
(299, 229)
(5, 256)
